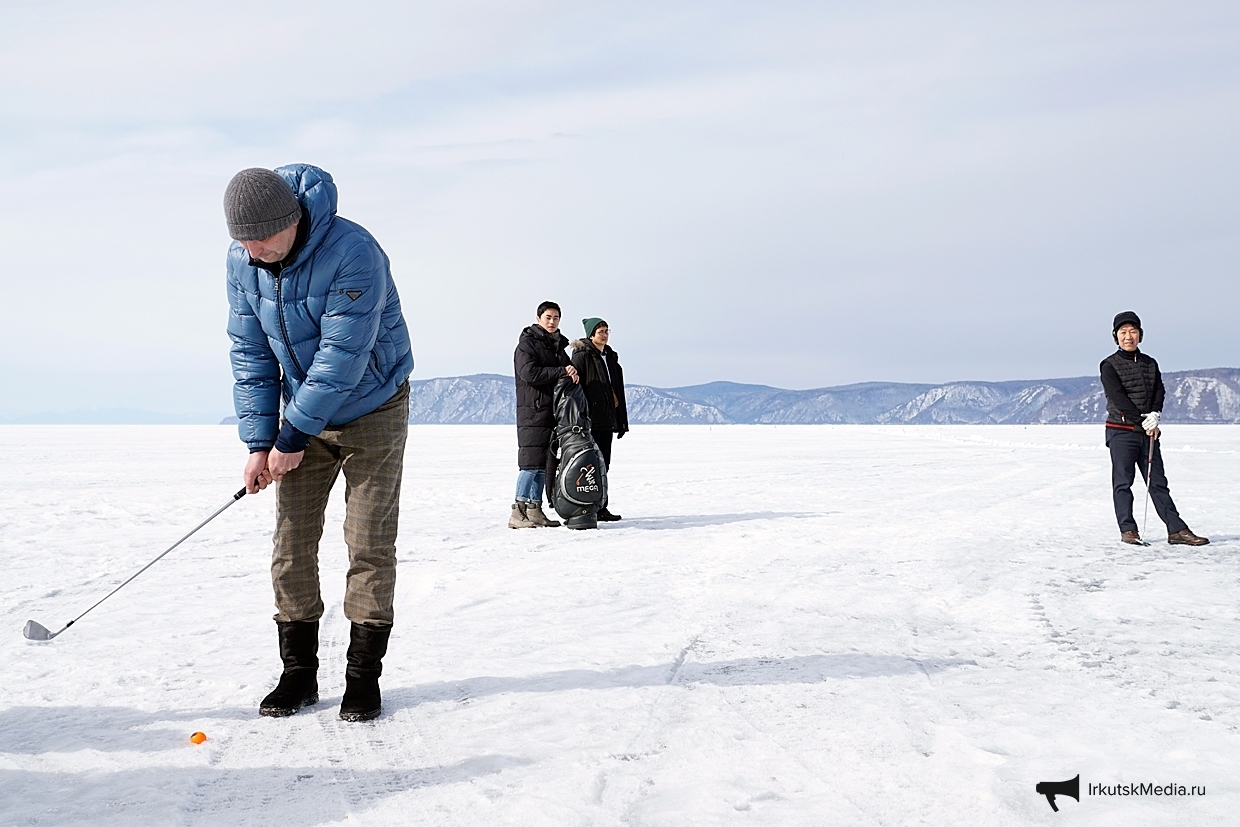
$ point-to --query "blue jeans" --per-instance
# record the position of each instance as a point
(530, 486)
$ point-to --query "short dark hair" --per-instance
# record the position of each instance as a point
(545, 306)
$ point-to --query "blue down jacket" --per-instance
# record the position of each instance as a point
(326, 335)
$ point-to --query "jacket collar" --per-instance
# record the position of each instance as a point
(553, 339)
(588, 346)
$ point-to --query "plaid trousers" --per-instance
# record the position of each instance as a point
(370, 451)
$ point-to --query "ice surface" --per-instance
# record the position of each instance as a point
(798, 625)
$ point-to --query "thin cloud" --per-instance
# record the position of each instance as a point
(780, 193)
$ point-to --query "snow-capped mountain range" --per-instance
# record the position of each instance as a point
(1211, 395)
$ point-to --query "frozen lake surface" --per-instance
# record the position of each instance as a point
(804, 625)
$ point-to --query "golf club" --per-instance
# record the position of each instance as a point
(1149, 472)
(37, 631)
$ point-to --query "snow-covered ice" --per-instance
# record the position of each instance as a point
(800, 625)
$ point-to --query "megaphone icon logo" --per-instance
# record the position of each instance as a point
(1050, 789)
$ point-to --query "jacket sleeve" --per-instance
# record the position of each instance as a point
(1160, 391)
(528, 370)
(581, 361)
(617, 387)
(1116, 394)
(256, 373)
(347, 332)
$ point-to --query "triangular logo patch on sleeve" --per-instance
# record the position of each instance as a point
(353, 294)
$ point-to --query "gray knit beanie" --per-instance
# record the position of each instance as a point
(258, 204)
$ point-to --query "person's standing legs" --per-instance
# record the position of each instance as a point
(552, 468)
(373, 448)
(1125, 447)
(533, 508)
(529, 490)
(1160, 491)
(301, 499)
(603, 440)
(530, 485)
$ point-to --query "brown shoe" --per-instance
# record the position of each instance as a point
(536, 516)
(1131, 537)
(519, 518)
(1186, 538)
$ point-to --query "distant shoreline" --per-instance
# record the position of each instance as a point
(1206, 396)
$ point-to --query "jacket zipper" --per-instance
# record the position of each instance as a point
(284, 328)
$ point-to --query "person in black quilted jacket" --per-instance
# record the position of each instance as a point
(1135, 393)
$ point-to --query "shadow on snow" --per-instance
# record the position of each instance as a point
(205, 795)
(701, 520)
(741, 672)
(31, 730)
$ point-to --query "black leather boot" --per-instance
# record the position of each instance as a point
(587, 520)
(299, 683)
(367, 646)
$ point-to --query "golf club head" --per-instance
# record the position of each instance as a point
(37, 631)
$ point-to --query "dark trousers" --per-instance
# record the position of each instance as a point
(603, 440)
(552, 469)
(1130, 452)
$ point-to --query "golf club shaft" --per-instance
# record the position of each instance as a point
(1149, 473)
(217, 513)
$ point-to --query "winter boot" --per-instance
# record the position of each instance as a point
(519, 518)
(582, 521)
(605, 516)
(367, 646)
(299, 683)
(536, 516)
(1186, 538)
(1131, 537)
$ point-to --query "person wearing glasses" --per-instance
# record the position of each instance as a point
(599, 368)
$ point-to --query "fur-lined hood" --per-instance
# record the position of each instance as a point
(582, 344)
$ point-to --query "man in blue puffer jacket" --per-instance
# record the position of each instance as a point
(317, 330)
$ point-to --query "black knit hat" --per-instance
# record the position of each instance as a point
(1127, 317)
(258, 204)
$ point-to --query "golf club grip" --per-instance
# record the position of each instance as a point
(239, 494)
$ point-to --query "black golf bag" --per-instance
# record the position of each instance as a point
(581, 482)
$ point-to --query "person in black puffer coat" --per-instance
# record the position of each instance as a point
(599, 368)
(538, 363)
(1135, 393)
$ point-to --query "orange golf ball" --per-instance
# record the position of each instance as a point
(198, 737)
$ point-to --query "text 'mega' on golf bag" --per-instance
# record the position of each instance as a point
(581, 483)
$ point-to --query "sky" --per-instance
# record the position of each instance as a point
(793, 194)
